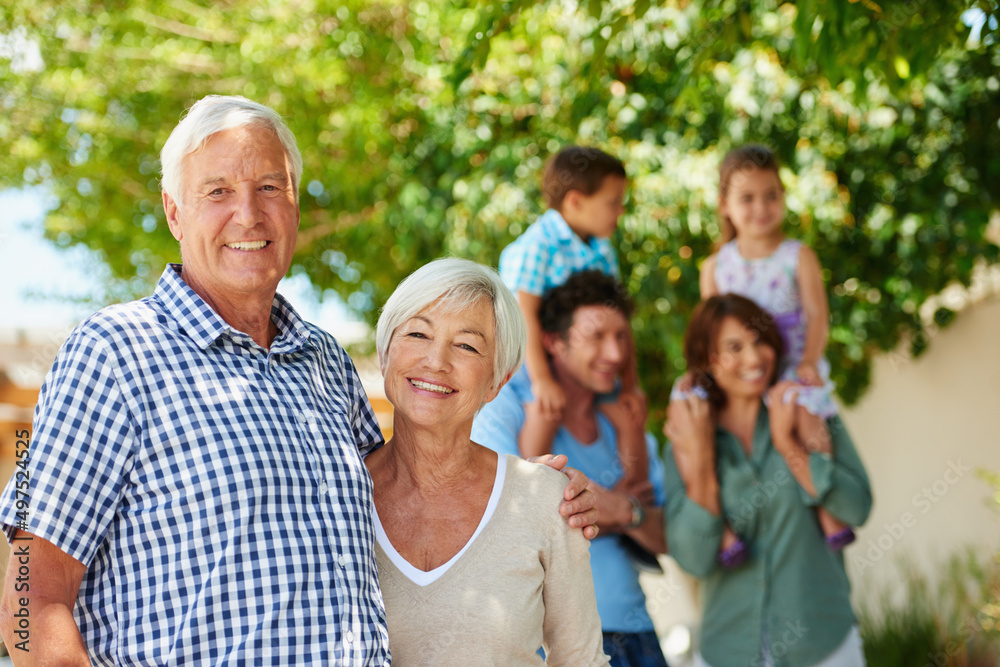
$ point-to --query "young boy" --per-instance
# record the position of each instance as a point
(584, 189)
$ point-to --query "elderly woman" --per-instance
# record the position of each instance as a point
(476, 565)
(738, 459)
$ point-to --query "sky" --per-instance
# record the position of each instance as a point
(42, 286)
(30, 266)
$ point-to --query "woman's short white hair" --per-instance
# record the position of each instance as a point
(213, 114)
(452, 285)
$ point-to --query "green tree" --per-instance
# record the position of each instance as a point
(424, 127)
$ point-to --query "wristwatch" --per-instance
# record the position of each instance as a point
(638, 513)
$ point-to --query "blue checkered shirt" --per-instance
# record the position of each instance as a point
(215, 490)
(549, 252)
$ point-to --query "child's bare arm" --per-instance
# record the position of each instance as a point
(630, 374)
(537, 433)
(629, 421)
(815, 308)
(548, 394)
(706, 278)
(628, 416)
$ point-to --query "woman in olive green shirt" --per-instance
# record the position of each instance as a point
(737, 459)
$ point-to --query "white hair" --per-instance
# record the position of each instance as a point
(217, 113)
(455, 284)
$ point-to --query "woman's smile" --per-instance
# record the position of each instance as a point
(430, 386)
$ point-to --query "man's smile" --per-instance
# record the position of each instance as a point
(248, 245)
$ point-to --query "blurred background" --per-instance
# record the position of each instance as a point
(424, 127)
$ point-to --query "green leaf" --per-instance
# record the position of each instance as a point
(427, 124)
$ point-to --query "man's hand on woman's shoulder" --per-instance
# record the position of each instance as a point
(579, 504)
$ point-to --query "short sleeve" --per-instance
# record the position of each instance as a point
(80, 452)
(499, 422)
(364, 423)
(523, 264)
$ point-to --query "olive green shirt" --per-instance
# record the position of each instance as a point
(792, 586)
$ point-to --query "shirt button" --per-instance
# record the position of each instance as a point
(342, 561)
(322, 487)
(350, 637)
(303, 417)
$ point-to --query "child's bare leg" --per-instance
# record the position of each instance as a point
(813, 431)
(629, 428)
(538, 434)
(732, 551)
(838, 534)
(816, 436)
(728, 537)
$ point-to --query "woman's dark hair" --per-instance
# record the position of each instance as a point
(702, 338)
(579, 168)
(751, 157)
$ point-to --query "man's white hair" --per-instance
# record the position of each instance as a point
(453, 285)
(213, 114)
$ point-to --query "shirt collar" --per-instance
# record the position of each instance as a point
(293, 332)
(560, 229)
(761, 438)
(204, 326)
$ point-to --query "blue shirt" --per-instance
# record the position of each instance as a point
(549, 252)
(215, 490)
(620, 601)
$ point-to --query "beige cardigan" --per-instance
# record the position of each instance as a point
(524, 582)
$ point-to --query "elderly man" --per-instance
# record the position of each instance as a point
(585, 334)
(197, 491)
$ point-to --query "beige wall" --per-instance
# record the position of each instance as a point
(923, 428)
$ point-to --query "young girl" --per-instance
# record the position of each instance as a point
(756, 260)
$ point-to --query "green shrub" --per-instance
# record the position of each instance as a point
(902, 635)
(955, 624)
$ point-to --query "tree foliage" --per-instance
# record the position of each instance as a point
(424, 127)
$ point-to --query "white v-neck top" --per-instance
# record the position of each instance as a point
(523, 581)
(421, 577)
